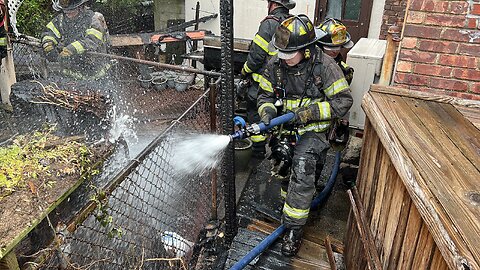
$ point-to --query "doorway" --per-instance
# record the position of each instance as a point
(355, 14)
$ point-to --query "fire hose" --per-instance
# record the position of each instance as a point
(258, 128)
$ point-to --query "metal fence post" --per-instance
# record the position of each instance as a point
(226, 108)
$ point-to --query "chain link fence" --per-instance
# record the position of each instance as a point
(147, 217)
(153, 217)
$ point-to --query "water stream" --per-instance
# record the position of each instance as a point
(196, 154)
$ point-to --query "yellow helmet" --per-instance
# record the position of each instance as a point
(337, 34)
(294, 33)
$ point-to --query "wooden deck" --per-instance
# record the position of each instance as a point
(419, 182)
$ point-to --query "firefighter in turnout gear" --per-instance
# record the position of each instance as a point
(3, 32)
(303, 79)
(278, 10)
(337, 37)
(71, 34)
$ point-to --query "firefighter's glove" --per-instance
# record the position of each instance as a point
(303, 115)
(47, 47)
(65, 53)
(268, 114)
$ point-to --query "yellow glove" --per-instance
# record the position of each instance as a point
(65, 53)
(47, 47)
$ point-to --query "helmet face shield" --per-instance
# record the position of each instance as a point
(287, 55)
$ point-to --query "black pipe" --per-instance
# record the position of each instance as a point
(195, 43)
(227, 107)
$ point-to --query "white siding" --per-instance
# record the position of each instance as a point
(247, 14)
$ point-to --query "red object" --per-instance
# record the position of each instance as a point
(194, 35)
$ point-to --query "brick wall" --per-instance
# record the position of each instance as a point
(440, 51)
(394, 12)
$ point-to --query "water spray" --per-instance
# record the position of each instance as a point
(257, 128)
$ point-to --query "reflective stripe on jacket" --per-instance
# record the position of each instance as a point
(259, 50)
(86, 32)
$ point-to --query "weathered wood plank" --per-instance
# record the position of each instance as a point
(371, 171)
(387, 199)
(393, 219)
(331, 258)
(390, 90)
(310, 233)
(447, 174)
(471, 114)
(365, 159)
(386, 168)
(409, 244)
(401, 228)
(239, 44)
(354, 254)
(438, 263)
(415, 185)
(310, 253)
(424, 250)
(373, 180)
(462, 134)
(369, 246)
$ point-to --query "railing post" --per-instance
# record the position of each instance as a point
(393, 38)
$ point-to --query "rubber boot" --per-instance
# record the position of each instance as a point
(291, 242)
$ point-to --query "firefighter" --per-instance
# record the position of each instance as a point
(303, 79)
(278, 10)
(3, 32)
(71, 34)
(337, 38)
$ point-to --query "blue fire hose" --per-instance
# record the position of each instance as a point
(321, 198)
(260, 127)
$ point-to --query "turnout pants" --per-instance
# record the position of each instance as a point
(308, 160)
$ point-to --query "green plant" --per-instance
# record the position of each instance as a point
(30, 158)
(33, 16)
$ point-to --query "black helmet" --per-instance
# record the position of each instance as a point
(337, 34)
(290, 4)
(294, 33)
(68, 4)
